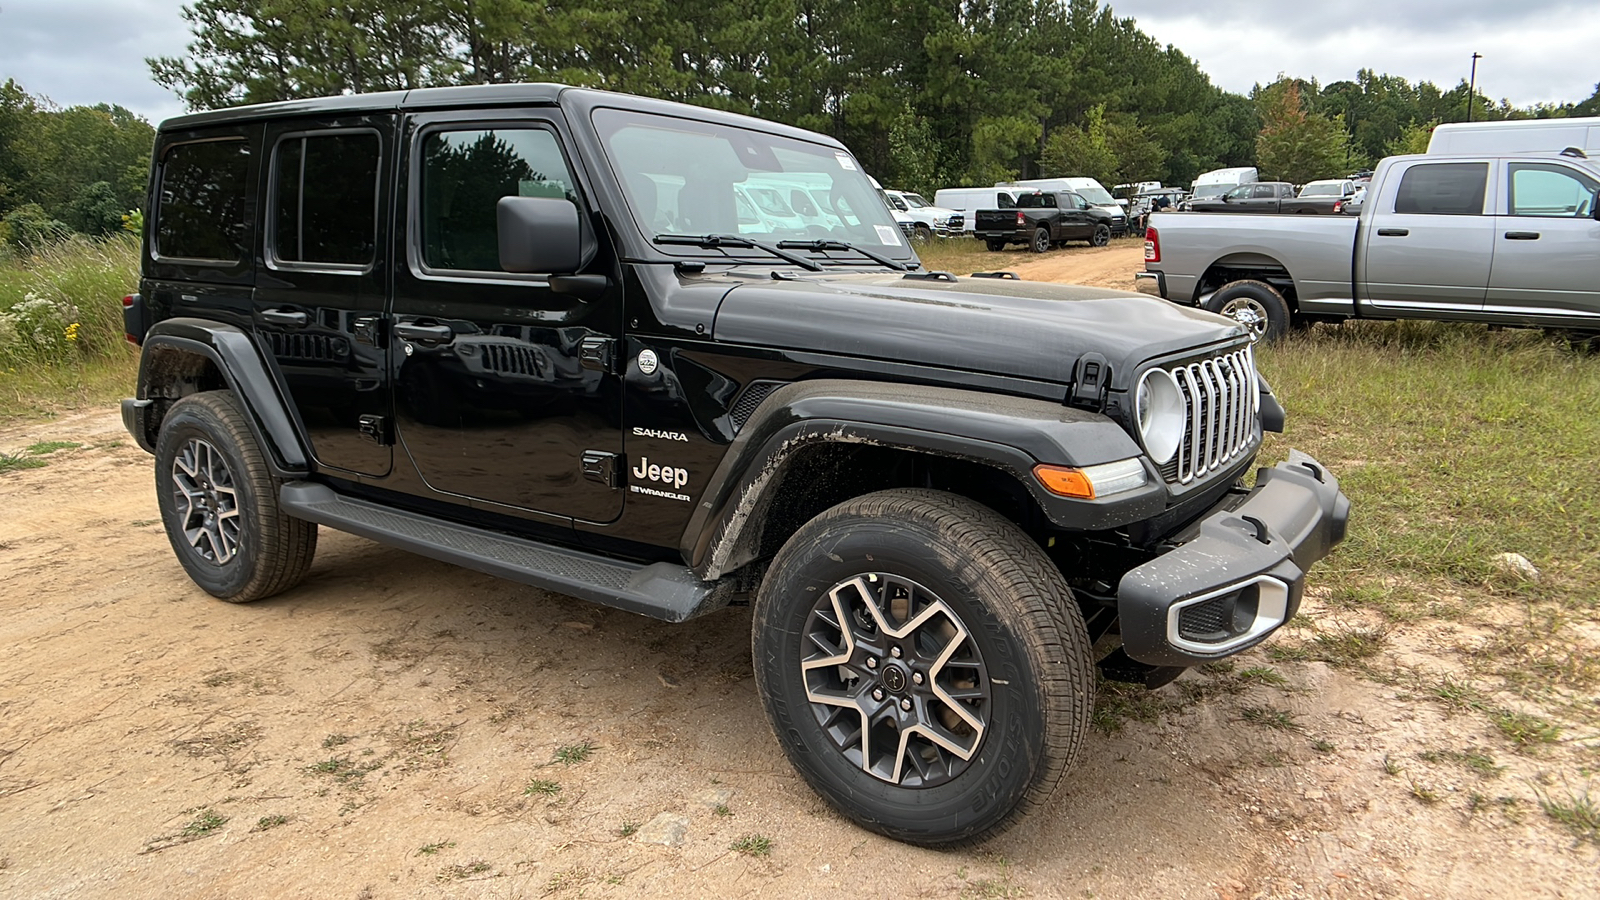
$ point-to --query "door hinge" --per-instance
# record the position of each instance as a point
(376, 429)
(603, 467)
(599, 354)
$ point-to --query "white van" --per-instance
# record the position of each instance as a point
(1518, 136)
(968, 200)
(1089, 189)
(1220, 181)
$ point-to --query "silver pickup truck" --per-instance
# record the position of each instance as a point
(1509, 239)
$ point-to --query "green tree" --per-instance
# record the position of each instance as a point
(1296, 145)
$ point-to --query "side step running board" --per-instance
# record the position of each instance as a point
(659, 590)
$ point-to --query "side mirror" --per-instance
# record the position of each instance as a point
(539, 235)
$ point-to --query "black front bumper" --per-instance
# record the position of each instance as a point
(1238, 573)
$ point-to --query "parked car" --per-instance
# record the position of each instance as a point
(930, 219)
(1518, 136)
(1087, 188)
(1512, 240)
(518, 328)
(969, 200)
(1160, 199)
(1045, 219)
(1336, 188)
(1268, 197)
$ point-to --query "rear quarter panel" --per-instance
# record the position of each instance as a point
(1316, 250)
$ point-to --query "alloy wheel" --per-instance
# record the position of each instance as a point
(1250, 313)
(207, 501)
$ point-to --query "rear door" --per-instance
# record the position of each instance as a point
(1546, 243)
(504, 389)
(1428, 243)
(320, 293)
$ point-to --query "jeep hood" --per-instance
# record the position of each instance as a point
(1023, 329)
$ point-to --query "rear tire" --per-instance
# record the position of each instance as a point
(923, 664)
(1254, 304)
(995, 246)
(219, 503)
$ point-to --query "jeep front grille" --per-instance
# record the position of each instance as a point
(1221, 418)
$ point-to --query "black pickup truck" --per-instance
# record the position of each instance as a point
(1270, 197)
(526, 329)
(1042, 220)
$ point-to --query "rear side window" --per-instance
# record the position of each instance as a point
(203, 199)
(1005, 201)
(464, 175)
(1036, 201)
(1443, 189)
(325, 199)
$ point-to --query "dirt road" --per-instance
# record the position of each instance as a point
(392, 728)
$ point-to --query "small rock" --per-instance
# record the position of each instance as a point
(1314, 795)
(1517, 566)
(665, 829)
(714, 797)
(667, 680)
(578, 626)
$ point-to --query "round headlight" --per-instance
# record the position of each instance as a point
(1159, 407)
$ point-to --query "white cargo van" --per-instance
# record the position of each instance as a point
(968, 200)
(1220, 181)
(1518, 136)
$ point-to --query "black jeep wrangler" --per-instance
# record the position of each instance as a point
(667, 359)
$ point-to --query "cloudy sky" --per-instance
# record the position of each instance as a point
(92, 51)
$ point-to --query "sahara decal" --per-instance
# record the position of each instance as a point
(663, 435)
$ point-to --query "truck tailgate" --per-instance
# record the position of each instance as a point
(996, 220)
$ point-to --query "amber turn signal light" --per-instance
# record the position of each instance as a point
(1065, 481)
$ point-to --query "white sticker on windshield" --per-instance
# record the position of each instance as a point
(845, 162)
(888, 236)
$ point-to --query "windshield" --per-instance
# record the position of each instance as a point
(1097, 196)
(700, 178)
(1211, 190)
(1324, 189)
(915, 200)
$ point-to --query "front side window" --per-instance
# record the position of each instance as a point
(1239, 193)
(685, 177)
(202, 203)
(464, 175)
(1443, 189)
(325, 199)
(1551, 191)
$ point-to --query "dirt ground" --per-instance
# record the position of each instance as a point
(392, 727)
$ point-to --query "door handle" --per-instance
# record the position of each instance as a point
(413, 332)
(286, 317)
(1393, 232)
(1522, 235)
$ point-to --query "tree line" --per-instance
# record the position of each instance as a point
(928, 93)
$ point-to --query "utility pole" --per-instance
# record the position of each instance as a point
(1472, 84)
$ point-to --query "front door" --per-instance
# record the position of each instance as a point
(1429, 247)
(502, 388)
(320, 293)
(1547, 247)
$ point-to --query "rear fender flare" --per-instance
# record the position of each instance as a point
(234, 354)
(1011, 434)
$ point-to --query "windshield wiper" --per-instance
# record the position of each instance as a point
(822, 245)
(719, 241)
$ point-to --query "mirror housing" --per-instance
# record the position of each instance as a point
(539, 235)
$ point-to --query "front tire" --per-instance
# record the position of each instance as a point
(219, 503)
(1254, 304)
(923, 664)
(922, 233)
(1101, 236)
(1041, 240)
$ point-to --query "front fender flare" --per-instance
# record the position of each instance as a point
(234, 354)
(1012, 434)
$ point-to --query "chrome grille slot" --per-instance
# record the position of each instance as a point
(1219, 414)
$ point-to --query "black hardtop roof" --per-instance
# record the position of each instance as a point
(523, 94)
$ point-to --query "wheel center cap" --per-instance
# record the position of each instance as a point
(894, 678)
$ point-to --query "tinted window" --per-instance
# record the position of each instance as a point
(202, 202)
(325, 203)
(464, 175)
(1443, 189)
(1036, 201)
(1545, 190)
(1005, 201)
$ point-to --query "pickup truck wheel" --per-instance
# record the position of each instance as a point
(1254, 304)
(995, 246)
(219, 503)
(1041, 240)
(923, 664)
(1101, 236)
(922, 233)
